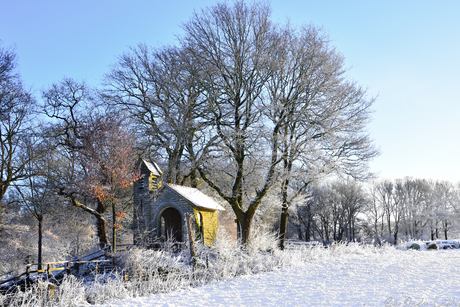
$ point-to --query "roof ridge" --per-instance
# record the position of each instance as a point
(181, 186)
(152, 167)
(211, 203)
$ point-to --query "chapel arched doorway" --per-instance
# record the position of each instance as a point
(171, 225)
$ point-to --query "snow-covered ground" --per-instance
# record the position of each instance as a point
(397, 278)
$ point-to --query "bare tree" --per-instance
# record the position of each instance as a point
(392, 198)
(443, 209)
(353, 200)
(16, 109)
(98, 148)
(321, 201)
(160, 89)
(35, 192)
(322, 116)
(235, 45)
(334, 208)
(305, 216)
(280, 107)
(418, 193)
(376, 214)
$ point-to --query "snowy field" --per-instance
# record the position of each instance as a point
(387, 278)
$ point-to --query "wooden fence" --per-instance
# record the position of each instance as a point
(28, 270)
(49, 267)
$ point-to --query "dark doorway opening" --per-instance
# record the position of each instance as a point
(171, 225)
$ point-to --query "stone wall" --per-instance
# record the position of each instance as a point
(144, 190)
(168, 198)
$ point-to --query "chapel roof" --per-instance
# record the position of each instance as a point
(196, 197)
(153, 167)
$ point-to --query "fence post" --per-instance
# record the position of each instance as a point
(28, 274)
(188, 218)
(48, 271)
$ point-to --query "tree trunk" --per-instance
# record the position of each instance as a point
(299, 231)
(188, 218)
(309, 231)
(177, 165)
(114, 229)
(194, 179)
(1, 209)
(353, 230)
(389, 224)
(245, 224)
(102, 232)
(101, 225)
(446, 224)
(174, 156)
(283, 226)
(376, 229)
(40, 240)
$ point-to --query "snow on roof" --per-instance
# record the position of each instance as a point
(153, 167)
(196, 197)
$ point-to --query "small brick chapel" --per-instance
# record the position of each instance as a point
(159, 210)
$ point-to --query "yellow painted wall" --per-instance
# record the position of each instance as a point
(209, 224)
(154, 183)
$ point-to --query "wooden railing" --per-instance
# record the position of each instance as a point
(16, 274)
(50, 267)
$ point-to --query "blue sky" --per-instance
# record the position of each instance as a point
(405, 52)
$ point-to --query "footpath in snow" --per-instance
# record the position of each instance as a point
(401, 278)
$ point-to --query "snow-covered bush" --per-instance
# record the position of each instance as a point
(142, 263)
